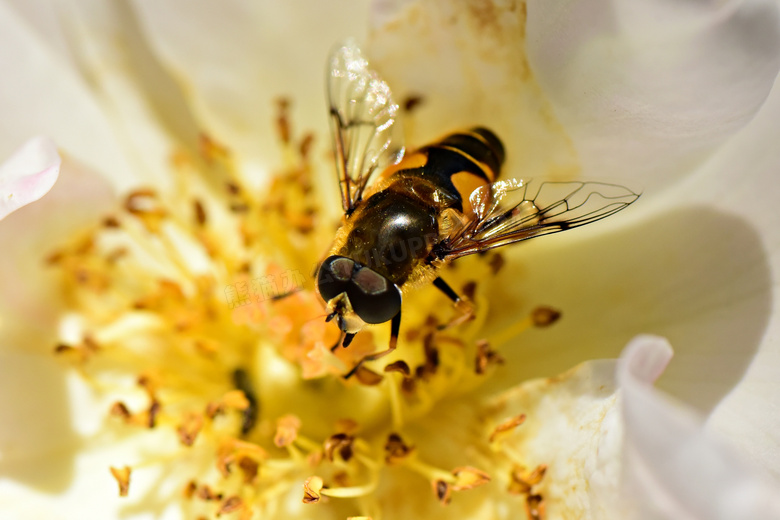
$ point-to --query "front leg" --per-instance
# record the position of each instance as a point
(462, 305)
(395, 327)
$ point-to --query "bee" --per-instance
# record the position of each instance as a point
(408, 215)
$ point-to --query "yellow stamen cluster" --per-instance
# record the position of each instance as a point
(196, 311)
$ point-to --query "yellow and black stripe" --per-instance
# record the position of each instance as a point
(456, 165)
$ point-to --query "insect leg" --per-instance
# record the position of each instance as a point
(446, 289)
(395, 327)
(462, 305)
(338, 342)
(348, 339)
(284, 295)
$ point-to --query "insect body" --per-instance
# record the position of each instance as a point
(428, 208)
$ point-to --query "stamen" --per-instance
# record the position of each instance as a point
(391, 384)
(431, 473)
(122, 476)
(354, 491)
(506, 427)
(312, 489)
(539, 317)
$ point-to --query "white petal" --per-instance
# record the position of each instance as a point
(77, 483)
(41, 93)
(692, 272)
(572, 425)
(234, 59)
(148, 113)
(43, 17)
(466, 61)
(28, 175)
(673, 469)
(648, 88)
(742, 180)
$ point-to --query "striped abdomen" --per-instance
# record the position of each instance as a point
(456, 165)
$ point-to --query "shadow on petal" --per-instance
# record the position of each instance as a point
(697, 276)
(674, 468)
(37, 442)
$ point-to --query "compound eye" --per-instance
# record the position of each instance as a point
(334, 276)
(373, 297)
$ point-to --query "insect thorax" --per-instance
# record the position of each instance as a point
(392, 232)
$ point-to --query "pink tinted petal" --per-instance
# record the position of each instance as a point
(34, 412)
(28, 288)
(28, 174)
(673, 469)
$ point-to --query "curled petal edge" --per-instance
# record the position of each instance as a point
(673, 468)
(28, 174)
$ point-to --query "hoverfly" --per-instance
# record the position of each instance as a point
(408, 215)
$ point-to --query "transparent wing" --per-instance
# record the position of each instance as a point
(514, 210)
(365, 132)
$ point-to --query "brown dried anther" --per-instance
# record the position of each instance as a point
(286, 430)
(230, 505)
(395, 449)
(119, 409)
(311, 490)
(200, 212)
(496, 263)
(521, 482)
(206, 493)
(400, 367)
(143, 205)
(368, 377)
(411, 102)
(249, 467)
(62, 348)
(305, 146)
(234, 399)
(534, 507)
(154, 411)
(469, 290)
(149, 383)
(347, 425)
(443, 491)
(122, 476)
(81, 352)
(467, 477)
(340, 443)
(408, 386)
(545, 316)
(341, 479)
(189, 428)
(486, 357)
(247, 454)
(283, 119)
(111, 222)
(211, 150)
(190, 489)
(506, 426)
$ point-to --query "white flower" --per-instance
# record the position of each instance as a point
(670, 97)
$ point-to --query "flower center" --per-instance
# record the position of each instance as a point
(196, 310)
